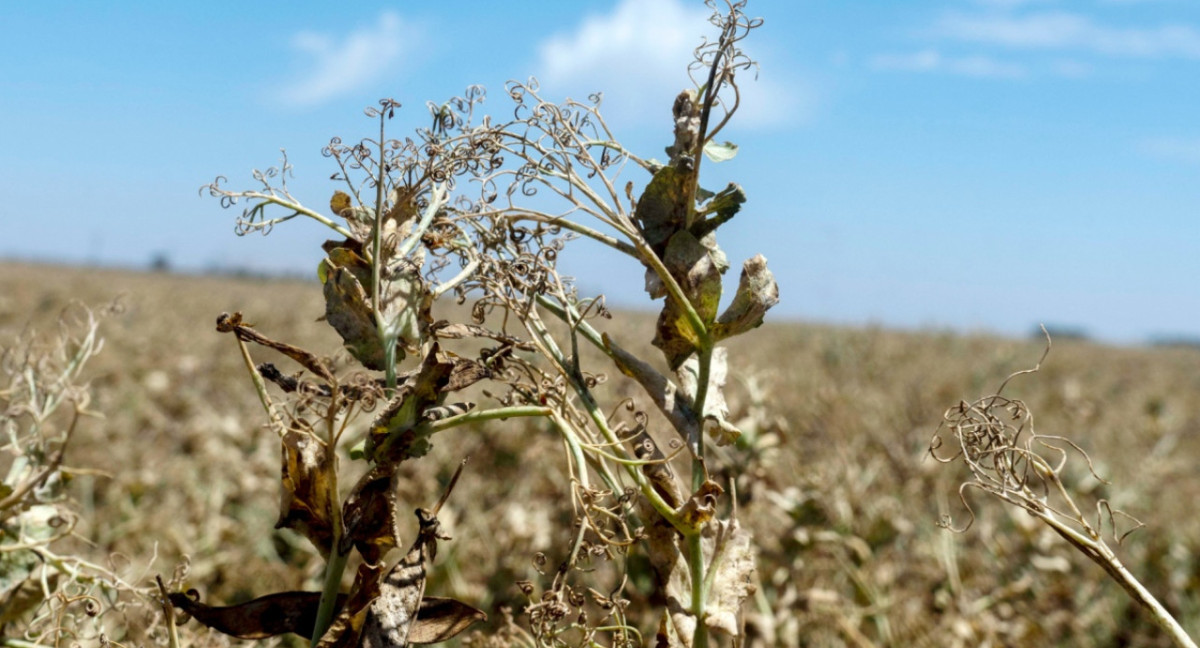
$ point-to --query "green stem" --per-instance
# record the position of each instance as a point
(600, 237)
(696, 570)
(301, 210)
(475, 416)
(331, 587)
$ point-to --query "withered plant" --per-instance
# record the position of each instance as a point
(994, 437)
(49, 592)
(479, 210)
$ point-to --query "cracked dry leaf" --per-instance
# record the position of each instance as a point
(370, 514)
(697, 265)
(390, 618)
(346, 628)
(397, 425)
(304, 504)
(733, 582)
(716, 410)
(348, 311)
(757, 292)
(407, 305)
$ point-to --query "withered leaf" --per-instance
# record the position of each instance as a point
(227, 323)
(465, 373)
(716, 411)
(395, 429)
(346, 628)
(370, 514)
(720, 208)
(723, 544)
(390, 620)
(360, 219)
(263, 617)
(304, 504)
(438, 619)
(662, 208)
(757, 292)
(658, 470)
(392, 613)
(733, 582)
(702, 505)
(348, 311)
(407, 305)
(442, 619)
(697, 265)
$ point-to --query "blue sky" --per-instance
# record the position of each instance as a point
(965, 164)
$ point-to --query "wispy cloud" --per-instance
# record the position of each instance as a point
(1176, 149)
(335, 65)
(1071, 31)
(637, 55)
(931, 60)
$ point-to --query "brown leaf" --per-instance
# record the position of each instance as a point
(702, 505)
(658, 470)
(391, 615)
(227, 323)
(348, 311)
(304, 504)
(442, 619)
(263, 617)
(370, 514)
(346, 628)
(465, 373)
(395, 429)
(438, 619)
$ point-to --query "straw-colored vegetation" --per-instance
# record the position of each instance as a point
(838, 490)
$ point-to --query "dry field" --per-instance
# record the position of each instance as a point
(835, 480)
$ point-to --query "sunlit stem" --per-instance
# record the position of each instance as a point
(382, 328)
(696, 571)
(499, 413)
(699, 472)
(300, 210)
(578, 228)
(332, 585)
(337, 560)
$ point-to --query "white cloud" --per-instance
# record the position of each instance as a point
(637, 55)
(1177, 149)
(337, 66)
(931, 60)
(1071, 31)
